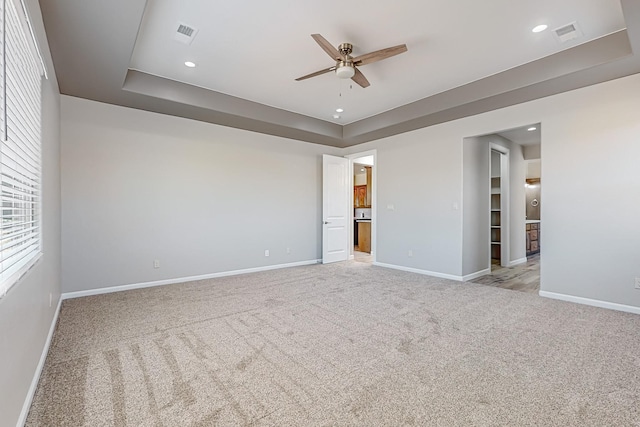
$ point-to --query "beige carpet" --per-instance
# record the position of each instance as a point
(336, 345)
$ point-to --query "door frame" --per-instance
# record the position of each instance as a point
(374, 200)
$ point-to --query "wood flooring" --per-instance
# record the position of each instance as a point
(523, 278)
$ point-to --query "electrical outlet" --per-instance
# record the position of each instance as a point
(288, 251)
(156, 263)
(410, 253)
(637, 282)
(266, 252)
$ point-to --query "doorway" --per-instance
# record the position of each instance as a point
(513, 225)
(363, 173)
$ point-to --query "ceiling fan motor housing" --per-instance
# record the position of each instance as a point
(344, 67)
(345, 49)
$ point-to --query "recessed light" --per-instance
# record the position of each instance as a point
(532, 128)
(339, 110)
(362, 170)
(336, 116)
(190, 64)
(540, 28)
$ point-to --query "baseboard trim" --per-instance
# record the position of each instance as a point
(518, 262)
(591, 302)
(476, 274)
(120, 288)
(418, 271)
(36, 376)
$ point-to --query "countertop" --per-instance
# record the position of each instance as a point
(532, 221)
(362, 220)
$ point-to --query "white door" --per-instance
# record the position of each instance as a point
(335, 209)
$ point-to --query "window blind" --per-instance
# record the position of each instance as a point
(20, 149)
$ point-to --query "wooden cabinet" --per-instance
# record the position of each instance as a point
(533, 238)
(362, 193)
(364, 236)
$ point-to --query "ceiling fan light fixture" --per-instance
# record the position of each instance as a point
(345, 70)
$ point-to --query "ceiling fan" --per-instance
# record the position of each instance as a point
(346, 65)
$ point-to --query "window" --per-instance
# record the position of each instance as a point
(20, 145)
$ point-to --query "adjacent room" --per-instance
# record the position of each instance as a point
(363, 172)
(292, 214)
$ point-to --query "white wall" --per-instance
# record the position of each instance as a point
(532, 152)
(200, 198)
(589, 163)
(25, 313)
(360, 178)
(533, 168)
(475, 173)
(496, 164)
(590, 228)
(419, 182)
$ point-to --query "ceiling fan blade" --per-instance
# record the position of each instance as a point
(359, 78)
(317, 73)
(327, 47)
(378, 55)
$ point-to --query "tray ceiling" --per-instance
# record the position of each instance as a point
(463, 58)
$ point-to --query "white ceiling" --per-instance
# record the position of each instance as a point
(523, 136)
(366, 160)
(255, 49)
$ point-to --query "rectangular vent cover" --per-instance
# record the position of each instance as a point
(185, 33)
(567, 32)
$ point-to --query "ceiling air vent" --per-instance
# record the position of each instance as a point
(185, 33)
(567, 32)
